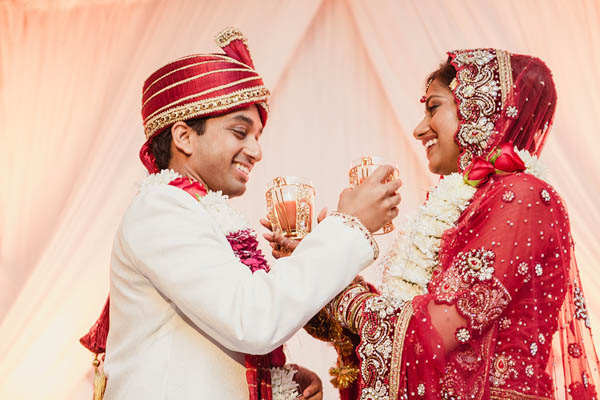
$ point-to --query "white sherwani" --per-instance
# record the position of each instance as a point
(184, 310)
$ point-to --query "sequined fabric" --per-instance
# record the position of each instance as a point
(511, 310)
(506, 275)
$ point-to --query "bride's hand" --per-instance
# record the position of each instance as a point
(283, 247)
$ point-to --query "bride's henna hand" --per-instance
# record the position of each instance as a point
(283, 247)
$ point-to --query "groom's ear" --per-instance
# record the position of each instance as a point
(182, 138)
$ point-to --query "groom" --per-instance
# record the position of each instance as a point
(193, 311)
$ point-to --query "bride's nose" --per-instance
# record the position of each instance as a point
(421, 129)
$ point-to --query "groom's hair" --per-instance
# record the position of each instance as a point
(161, 143)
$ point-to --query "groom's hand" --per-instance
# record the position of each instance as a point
(374, 202)
(310, 384)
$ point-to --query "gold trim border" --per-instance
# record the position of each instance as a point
(214, 89)
(353, 222)
(505, 74)
(228, 35)
(398, 346)
(256, 94)
(506, 394)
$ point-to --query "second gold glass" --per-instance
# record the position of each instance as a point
(290, 203)
(361, 169)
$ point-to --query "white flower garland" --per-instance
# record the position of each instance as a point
(408, 266)
(533, 166)
(230, 220)
(283, 385)
(163, 177)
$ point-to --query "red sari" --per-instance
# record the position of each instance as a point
(505, 272)
(505, 281)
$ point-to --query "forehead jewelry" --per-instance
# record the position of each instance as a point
(453, 84)
(428, 84)
(423, 98)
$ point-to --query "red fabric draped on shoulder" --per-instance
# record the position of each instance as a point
(504, 271)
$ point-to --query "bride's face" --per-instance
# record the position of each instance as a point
(436, 131)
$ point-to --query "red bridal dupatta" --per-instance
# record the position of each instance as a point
(504, 316)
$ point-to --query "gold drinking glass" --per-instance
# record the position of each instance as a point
(290, 203)
(360, 170)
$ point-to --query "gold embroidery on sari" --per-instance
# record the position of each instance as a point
(506, 394)
(398, 346)
(505, 73)
(483, 303)
(477, 93)
(375, 348)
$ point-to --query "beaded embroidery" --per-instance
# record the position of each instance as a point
(484, 81)
(508, 196)
(538, 269)
(229, 35)
(462, 335)
(580, 307)
(503, 368)
(355, 223)
(523, 268)
(483, 304)
(375, 349)
(512, 112)
(476, 264)
(533, 348)
(477, 96)
(574, 350)
(545, 196)
(529, 370)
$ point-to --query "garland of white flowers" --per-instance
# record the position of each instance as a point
(283, 385)
(408, 266)
(216, 204)
(230, 220)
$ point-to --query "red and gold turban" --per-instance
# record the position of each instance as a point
(201, 85)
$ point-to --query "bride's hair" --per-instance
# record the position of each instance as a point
(445, 73)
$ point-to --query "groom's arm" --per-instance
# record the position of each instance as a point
(175, 244)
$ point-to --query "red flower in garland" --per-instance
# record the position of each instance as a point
(504, 160)
(508, 160)
(479, 172)
(245, 246)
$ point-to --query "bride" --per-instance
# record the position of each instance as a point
(484, 274)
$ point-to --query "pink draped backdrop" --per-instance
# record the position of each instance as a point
(346, 77)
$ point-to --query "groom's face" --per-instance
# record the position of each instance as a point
(226, 152)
